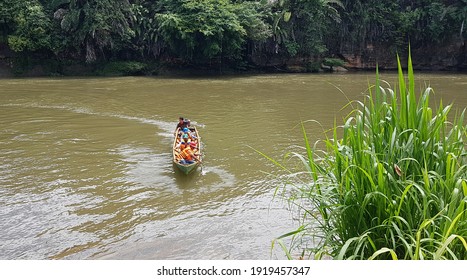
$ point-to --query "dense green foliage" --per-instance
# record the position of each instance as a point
(25, 25)
(421, 22)
(233, 32)
(392, 186)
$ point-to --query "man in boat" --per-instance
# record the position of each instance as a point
(193, 147)
(187, 156)
(181, 123)
(184, 142)
(186, 132)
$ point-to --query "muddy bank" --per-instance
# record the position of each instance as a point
(452, 57)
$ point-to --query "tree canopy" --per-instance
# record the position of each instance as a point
(234, 32)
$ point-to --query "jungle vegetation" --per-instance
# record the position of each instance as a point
(235, 33)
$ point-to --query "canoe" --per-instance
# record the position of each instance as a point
(186, 168)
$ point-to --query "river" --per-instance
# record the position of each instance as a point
(86, 172)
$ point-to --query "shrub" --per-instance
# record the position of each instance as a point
(393, 186)
(124, 68)
(333, 62)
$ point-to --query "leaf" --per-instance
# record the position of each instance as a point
(382, 251)
(287, 16)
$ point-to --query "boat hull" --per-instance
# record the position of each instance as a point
(186, 168)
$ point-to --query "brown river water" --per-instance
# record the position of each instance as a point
(86, 172)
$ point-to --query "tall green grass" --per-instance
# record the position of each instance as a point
(393, 185)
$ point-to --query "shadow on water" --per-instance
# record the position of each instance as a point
(185, 181)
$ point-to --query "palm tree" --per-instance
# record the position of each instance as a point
(303, 14)
(459, 12)
(95, 24)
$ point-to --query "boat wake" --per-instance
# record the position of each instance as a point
(166, 128)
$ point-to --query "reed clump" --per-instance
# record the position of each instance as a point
(393, 185)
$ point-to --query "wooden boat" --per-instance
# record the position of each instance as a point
(187, 168)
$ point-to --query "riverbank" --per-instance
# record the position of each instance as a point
(14, 66)
(142, 69)
(5, 72)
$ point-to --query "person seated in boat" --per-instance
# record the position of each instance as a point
(185, 136)
(187, 156)
(186, 132)
(184, 142)
(194, 148)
